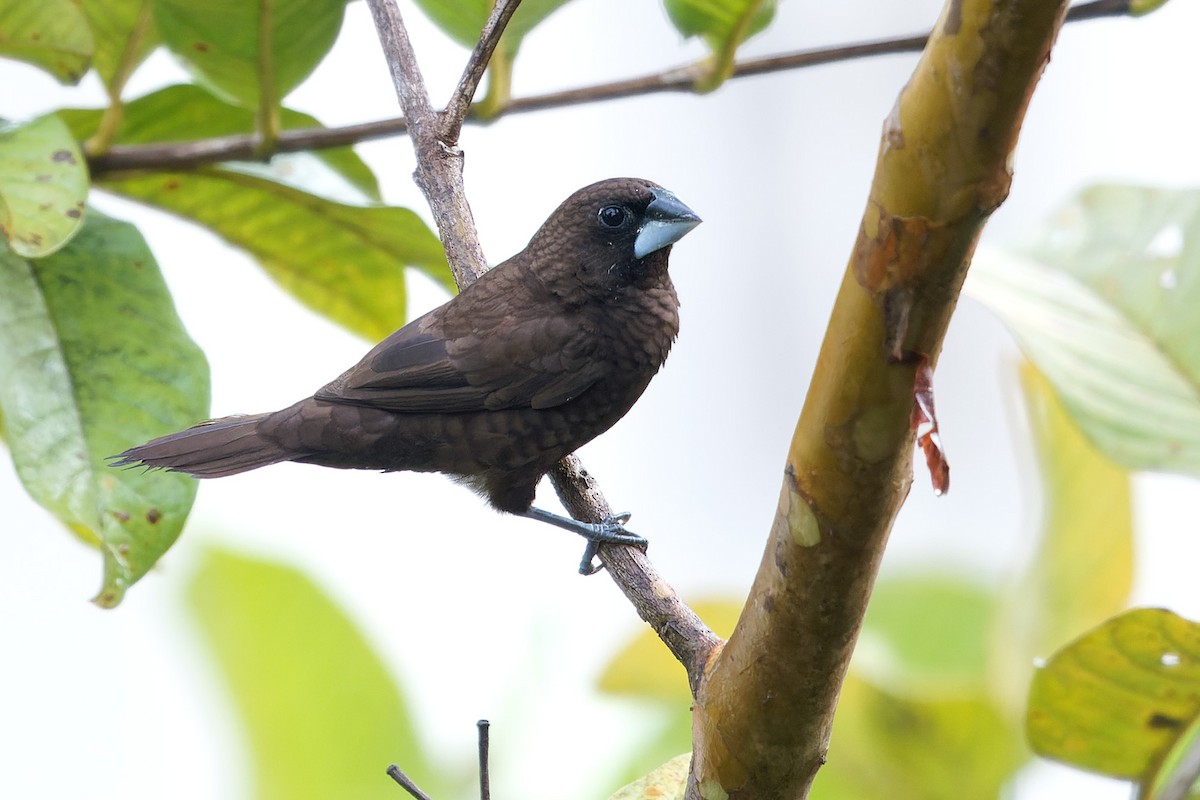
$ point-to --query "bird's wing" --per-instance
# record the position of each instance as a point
(538, 363)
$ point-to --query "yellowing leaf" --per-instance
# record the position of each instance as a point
(1082, 570)
(1117, 699)
(665, 783)
(933, 748)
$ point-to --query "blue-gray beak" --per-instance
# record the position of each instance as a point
(667, 220)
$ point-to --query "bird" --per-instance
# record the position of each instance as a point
(540, 355)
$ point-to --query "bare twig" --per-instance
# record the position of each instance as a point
(439, 163)
(485, 780)
(399, 777)
(684, 634)
(244, 147)
(460, 103)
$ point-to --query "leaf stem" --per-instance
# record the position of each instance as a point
(110, 120)
(267, 115)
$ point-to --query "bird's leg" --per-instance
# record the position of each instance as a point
(609, 531)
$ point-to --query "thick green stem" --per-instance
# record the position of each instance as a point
(764, 712)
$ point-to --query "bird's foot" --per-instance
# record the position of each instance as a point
(608, 531)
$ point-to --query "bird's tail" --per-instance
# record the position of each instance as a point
(211, 449)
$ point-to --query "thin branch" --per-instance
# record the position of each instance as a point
(681, 630)
(399, 777)
(485, 780)
(244, 147)
(460, 103)
(439, 163)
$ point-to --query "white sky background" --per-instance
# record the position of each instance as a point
(123, 704)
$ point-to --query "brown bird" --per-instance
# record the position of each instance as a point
(540, 355)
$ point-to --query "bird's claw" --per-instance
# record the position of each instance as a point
(610, 530)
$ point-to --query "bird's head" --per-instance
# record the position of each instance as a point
(614, 233)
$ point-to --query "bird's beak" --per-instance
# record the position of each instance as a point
(667, 220)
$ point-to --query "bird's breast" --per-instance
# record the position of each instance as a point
(641, 333)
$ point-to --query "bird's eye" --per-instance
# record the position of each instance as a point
(613, 216)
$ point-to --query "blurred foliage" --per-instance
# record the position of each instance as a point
(322, 714)
(250, 53)
(662, 783)
(1117, 699)
(124, 35)
(1102, 300)
(51, 34)
(723, 25)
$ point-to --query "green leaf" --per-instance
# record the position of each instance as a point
(1117, 699)
(43, 185)
(1139, 8)
(720, 21)
(1082, 570)
(95, 360)
(186, 113)
(666, 731)
(463, 20)
(124, 34)
(51, 34)
(665, 783)
(323, 716)
(951, 746)
(926, 635)
(345, 262)
(245, 50)
(644, 668)
(1103, 303)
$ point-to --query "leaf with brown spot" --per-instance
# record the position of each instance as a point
(1101, 701)
(95, 359)
(50, 34)
(665, 783)
(222, 43)
(42, 180)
